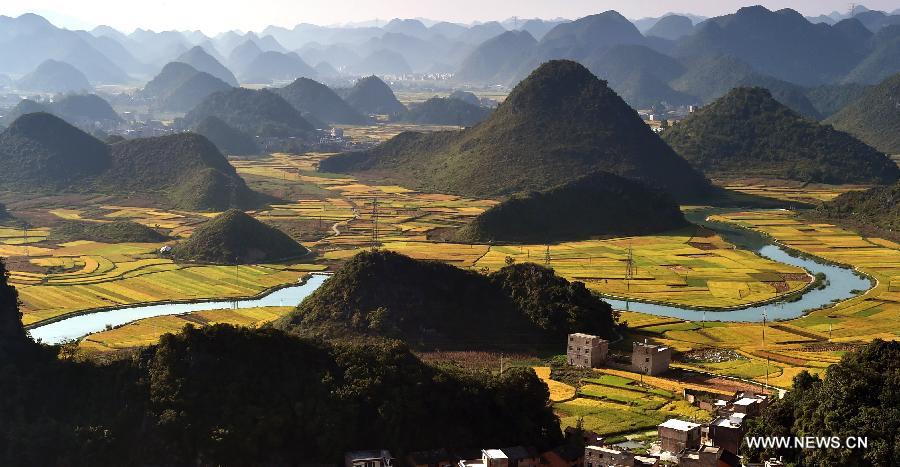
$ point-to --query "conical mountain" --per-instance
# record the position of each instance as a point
(497, 60)
(55, 76)
(180, 87)
(272, 66)
(234, 237)
(229, 140)
(875, 116)
(320, 101)
(244, 54)
(203, 61)
(372, 96)
(556, 125)
(747, 133)
(42, 151)
(599, 204)
(254, 112)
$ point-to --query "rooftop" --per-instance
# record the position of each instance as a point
(494, 454)
(680, 425)
(372, 454)
(746, 401)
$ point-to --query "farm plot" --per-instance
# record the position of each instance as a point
(613, 404)
(816, 340)
(148, 331)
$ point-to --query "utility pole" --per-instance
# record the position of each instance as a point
(764, 348)
(375, 222)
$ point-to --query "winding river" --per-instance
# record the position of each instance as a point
(841, 284)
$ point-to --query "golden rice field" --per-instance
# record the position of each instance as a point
(97, 275)
(385, 131)
(148, 331)
(691, 267)
(812, 342)
(796, 191)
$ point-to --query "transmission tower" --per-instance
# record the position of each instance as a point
(547, 256)
(629, 275)
(629, 268)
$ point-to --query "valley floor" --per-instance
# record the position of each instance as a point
(337, 216)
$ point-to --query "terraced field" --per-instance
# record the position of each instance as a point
(614, 402)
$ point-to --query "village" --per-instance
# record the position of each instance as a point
(715, 443)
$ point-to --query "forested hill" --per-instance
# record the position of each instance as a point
(876, 209)
(40, 152)
(747, 133)
(284, 401)
(431, 304)
(875, 116)
(600, 204)
(235, 237)
(559, 123)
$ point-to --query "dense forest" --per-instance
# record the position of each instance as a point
(857, 398)
(228, 396)
(600, 204)
(431, 304)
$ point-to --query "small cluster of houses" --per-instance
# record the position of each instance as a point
(515, 456)
(588, 351)
(683, 442)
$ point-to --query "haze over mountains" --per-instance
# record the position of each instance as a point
(753, 46)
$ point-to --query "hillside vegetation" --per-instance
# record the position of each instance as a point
(446, 111)
(861, 388)
(106, 232)
(875, 116)
(234, 237)
(433, 304)
(557, 124)
(229, 140)
(284, 401)
(320, 101)
(254, 112)
(42, 153)
(747, 133)
(372, 96)
(600, 204)
(877, 208)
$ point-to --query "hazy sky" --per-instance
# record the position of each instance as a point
(214, 16)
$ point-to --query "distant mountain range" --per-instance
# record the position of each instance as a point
(781, 50)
